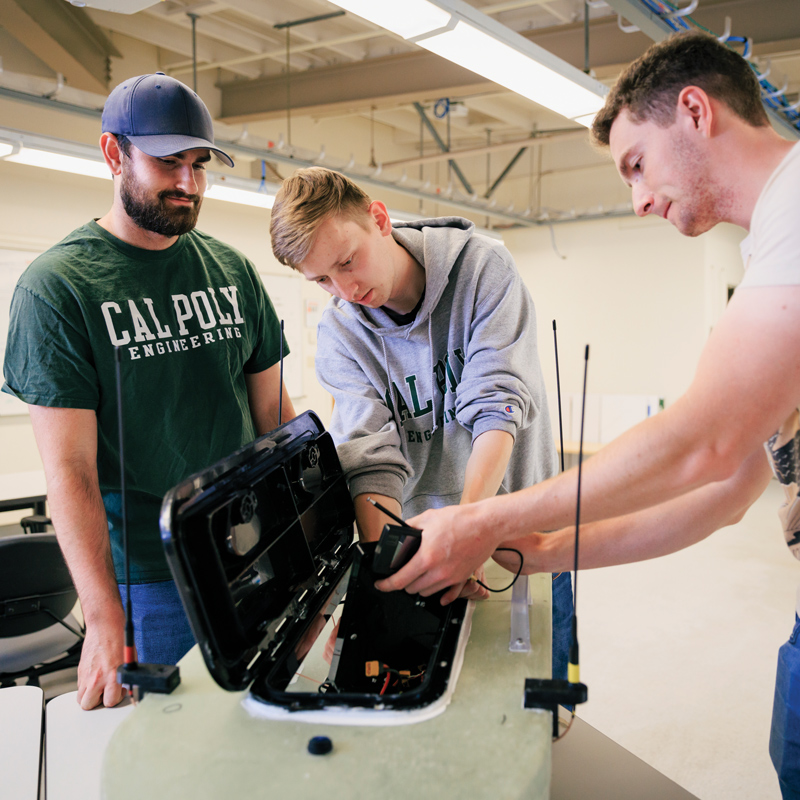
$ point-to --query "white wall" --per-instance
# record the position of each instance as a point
(635, 290)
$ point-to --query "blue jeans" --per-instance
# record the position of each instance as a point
(562, 624)
(161, 629)
(784, 738)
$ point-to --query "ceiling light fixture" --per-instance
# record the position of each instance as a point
(475, 41)
(33, 150)
(412, 18)
(34, 157)
(244, 197)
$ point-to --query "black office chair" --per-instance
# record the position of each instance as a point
(38, 634)
(35, 523)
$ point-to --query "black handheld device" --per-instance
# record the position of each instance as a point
(397, 545)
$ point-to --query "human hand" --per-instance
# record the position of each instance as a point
(102, 653)
(453, 546)
(470, 589)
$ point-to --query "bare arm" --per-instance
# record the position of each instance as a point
(370, 520)
(650, 533)
(67, 441)
(487, 465)
(747, 383)
(485, 470)
(263, 392)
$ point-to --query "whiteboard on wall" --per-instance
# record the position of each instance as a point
(12, 265)
(286, 293)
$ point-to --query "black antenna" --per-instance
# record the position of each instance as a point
(558, 393)
(549, 694)
(388, 513)
(139, 678)
(573, 668)
(280, 386)
(129, 653)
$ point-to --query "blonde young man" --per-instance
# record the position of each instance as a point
(429, 350)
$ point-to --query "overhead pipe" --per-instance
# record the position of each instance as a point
(547, 137)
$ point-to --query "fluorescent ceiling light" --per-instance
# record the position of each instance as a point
(586, 119)
(217, 192)
(34, 157)
(407, 19)
(117, 6)
(37, 154)
(460, 33)
(480, 52)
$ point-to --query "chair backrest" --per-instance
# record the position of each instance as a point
(36, 589)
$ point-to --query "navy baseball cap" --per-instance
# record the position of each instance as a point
(161, 116)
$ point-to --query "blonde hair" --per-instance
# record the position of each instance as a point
(304, 201)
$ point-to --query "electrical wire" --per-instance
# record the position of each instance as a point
(401, 676)
(519, 571)
(566, 730)
(777, 102)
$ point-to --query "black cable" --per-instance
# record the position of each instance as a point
(558, 390)
(280, 383)
(519, 571)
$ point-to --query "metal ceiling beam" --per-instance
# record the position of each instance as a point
(169, 37)
(504, 174)
(544, 138)
(258, 11)
(406, 77)
(64, 38)
(422, 76)
(454, 201)
(278, 54)
(214, 28)
(501, 107)
(443, 147)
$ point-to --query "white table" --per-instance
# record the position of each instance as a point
(199, 742)
(20, 490)
(21, 714)
(76, 741)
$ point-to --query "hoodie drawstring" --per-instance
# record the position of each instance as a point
(432, 373)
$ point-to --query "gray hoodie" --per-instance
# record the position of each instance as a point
(410, 399)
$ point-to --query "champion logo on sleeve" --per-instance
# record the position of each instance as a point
(509, 409)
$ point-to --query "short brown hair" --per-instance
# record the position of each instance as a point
(304, 201)
(650, 86)
(124, 144)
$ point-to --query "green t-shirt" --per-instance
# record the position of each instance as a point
(190, 321)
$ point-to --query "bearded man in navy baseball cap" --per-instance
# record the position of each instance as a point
(200, 347)
(163, 118)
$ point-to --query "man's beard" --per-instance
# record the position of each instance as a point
(703, 201)
(155, 214)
